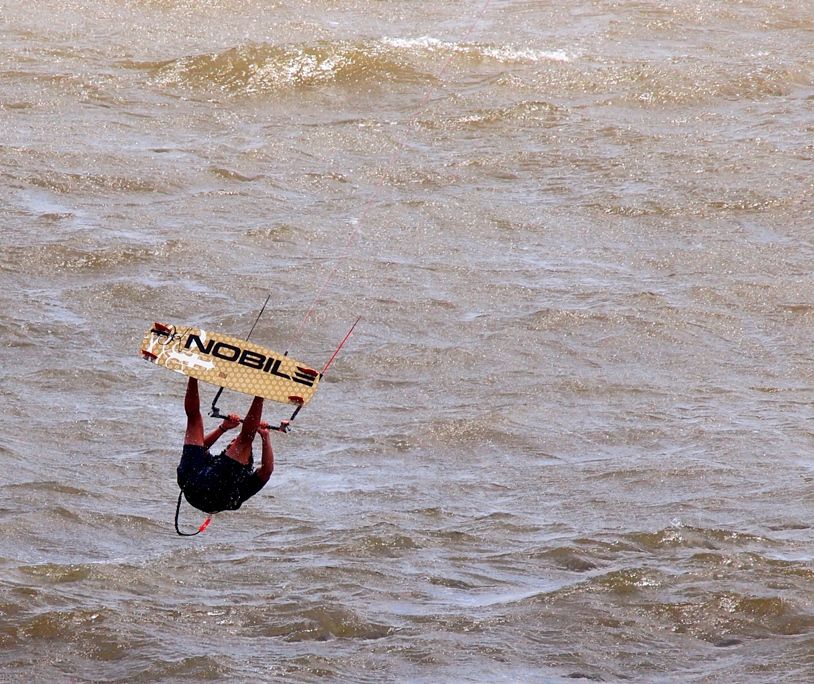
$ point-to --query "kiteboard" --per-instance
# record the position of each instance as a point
(230, 362)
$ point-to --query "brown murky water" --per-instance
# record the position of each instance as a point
(571, 437)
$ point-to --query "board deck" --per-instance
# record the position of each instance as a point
(230, 362)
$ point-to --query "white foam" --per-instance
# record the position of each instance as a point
(501, 54)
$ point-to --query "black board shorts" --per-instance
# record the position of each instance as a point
(215, 483)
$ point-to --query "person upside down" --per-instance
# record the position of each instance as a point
(222, 482)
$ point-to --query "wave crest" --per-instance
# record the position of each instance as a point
(499, 53)
(253, 69)
(261, 68)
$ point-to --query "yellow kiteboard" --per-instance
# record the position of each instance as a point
(230, 362)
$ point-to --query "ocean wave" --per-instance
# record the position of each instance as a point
(691, 537)
(567, 558)
(83, 254)
(45, 487)
(698, 201)
(719, 616)
(298, 619)
(689, 82)
(280, 232)
(378, 541)
(524, 112)
(725, 618)
(715, 616)
(751, 562)
(253, 69)
(184, 667)
(64, 183)
(322, 622)
(657, 83)
(231, 175)
(261, 68)
(59, 258)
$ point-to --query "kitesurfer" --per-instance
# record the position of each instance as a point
(214, 483)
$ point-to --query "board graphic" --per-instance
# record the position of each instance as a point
(230, 362)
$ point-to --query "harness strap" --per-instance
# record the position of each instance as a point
(203, 526)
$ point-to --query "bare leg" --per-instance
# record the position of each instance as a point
(192, 405)
(267, 466)
(241, 448)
